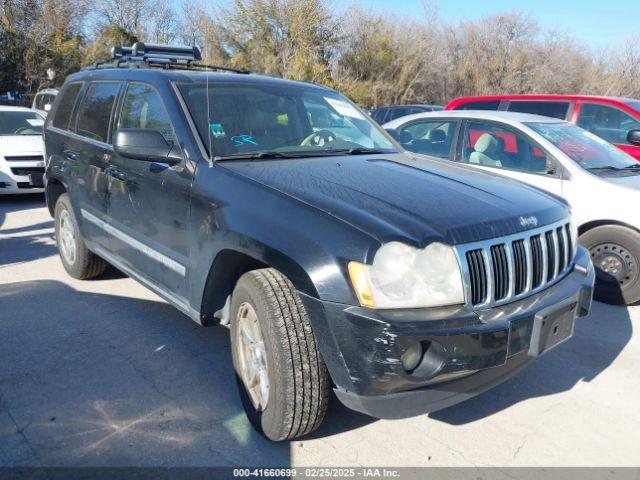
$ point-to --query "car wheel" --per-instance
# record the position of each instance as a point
(283, 382)
(77, 259)
(615, 253)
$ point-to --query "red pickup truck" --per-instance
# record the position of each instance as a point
(610, 118)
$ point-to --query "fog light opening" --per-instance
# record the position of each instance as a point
(412, 357)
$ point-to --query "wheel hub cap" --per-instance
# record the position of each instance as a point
(614, 264)
(67, 240)
(252, 356)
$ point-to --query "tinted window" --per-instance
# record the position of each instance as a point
(428, 137)
(237, 119)
(607, 122)
(379, 114)
(397, 113)
(66, 102)
(493, 145)
(488, 105)
(95, 110)
(546, 109)
(143, 108)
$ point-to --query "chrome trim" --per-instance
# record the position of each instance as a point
(556, 253)
(488, 265)
(566, 244)
(132, 242)
(528, 264)
(507, 241)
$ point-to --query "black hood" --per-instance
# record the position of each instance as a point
(398, 196)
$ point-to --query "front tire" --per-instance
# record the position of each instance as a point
(77, 259)
(272, 342)
(615, 252)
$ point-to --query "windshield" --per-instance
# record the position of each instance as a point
(271, 119)
(20, 123)
(586, 149)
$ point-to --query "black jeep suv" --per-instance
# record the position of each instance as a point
(279, 208)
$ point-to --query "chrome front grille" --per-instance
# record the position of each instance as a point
(504, 269)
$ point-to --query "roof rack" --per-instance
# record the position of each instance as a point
(150, 55)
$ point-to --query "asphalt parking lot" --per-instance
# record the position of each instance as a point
(104, 373)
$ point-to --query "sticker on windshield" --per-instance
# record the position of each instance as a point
(344, 108)
(35, 122)
(240, 140)
(217, 130)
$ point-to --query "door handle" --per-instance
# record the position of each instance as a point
(71, 154)
(115, 173)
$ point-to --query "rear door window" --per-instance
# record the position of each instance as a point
(66, 102)
(94, 113)
(546, 109)
(479, 105)
(609, 123)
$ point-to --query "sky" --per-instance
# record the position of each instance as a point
(596, 23)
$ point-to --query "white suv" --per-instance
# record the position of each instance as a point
(44, 99)
(21, 151)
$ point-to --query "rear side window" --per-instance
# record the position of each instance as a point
(546, 109)
(143, 108)
(397, 113)
(486, 105)
(95, 110)
(66, 102)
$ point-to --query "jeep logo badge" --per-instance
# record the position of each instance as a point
(528, 221)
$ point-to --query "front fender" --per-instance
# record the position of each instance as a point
(310, 247)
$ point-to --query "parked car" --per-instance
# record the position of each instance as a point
(44, 99)
(600, 182)
(610, 118)
(21, 159)
(386, 114)
(335, 257)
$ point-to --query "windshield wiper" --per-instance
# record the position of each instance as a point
(253, 156)
(359, 151)
(606, 167)
(635, 166)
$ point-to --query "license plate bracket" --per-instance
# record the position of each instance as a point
(36, 180)
(552, 326)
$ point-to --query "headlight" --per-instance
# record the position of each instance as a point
(406, 277)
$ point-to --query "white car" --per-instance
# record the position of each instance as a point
(43, 100)
(601, 182)
(21, 151)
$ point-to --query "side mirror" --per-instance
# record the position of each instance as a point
(633, 137)
(47, 107)
(144, 144)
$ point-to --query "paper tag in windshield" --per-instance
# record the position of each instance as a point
(35, 122)
(344, 108)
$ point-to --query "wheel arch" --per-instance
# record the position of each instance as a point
(55, 187)
(230, 264)
(585, 227)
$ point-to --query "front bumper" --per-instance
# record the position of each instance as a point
(21, 177)
(466, 351)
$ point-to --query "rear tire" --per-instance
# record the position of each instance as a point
(297, 393)
(615, 252)
(77, 259)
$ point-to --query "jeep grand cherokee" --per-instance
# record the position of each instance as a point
(406, 284)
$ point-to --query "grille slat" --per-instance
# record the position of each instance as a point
(502, 271)
(478, 274)
(536, 261)
(24, 158)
